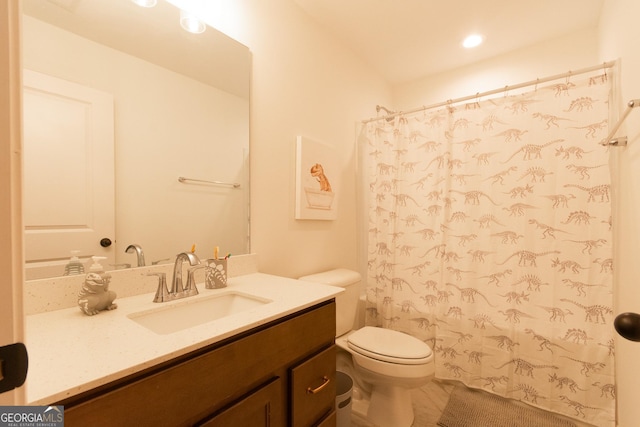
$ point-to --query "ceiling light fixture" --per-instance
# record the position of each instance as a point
(472, 41)
(145, 3)
(191, 23)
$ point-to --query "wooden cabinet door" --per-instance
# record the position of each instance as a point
(260, 408)
(313, 388)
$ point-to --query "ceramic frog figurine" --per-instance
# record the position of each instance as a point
(95, 295)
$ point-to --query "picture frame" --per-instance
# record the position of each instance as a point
(316, 192)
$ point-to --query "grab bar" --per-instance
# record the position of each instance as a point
(188, 180)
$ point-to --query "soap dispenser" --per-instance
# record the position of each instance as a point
(74, 266)
(95, 295)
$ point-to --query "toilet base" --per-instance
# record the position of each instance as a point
(380, 400)
(391, 407)
(360, 407)
(385, 407)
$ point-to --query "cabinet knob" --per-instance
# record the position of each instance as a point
(325, 382)
(105, 242)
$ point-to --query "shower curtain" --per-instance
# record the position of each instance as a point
(490, 239)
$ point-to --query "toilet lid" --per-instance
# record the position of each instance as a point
(389, 346)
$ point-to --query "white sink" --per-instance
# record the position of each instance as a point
(176, 316)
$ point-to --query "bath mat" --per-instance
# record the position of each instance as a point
(475, 408)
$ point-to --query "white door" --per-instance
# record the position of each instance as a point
(68, 166)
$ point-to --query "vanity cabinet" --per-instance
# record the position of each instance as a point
(278, 374)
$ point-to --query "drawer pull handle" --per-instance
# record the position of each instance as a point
(325, 382)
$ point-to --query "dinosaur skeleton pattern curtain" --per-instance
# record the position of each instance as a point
(490, 239)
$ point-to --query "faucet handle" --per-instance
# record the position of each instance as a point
(191, 288)
(162, 293)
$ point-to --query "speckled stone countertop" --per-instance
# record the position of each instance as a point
(70, 352)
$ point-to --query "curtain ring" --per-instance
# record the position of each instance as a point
(477, 103)
(424, 112)
(449, 108)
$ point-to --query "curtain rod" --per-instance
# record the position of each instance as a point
(569, 73)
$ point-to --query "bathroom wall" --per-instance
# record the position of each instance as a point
(571, 52)
(304, 83)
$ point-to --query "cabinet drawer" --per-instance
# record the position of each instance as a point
(313, 388)
(261, 408)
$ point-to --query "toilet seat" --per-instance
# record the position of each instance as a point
(390, 346)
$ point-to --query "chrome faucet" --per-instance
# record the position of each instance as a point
(177, 291)
(176, 283)
(138, 250)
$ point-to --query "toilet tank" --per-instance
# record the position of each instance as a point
(347, 301)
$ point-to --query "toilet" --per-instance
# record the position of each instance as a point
(385, 364)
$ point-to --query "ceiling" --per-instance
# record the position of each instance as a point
(408, 39)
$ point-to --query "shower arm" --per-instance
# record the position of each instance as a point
(622, 140)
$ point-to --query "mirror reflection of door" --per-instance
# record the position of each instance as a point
(68, 208)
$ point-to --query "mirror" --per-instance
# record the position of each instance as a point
(180, 105)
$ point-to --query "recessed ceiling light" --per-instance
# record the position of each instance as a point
(472, 41)
(191, 22)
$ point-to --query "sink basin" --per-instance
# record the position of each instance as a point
(183, 314)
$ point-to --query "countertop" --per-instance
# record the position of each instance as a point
(70, 352)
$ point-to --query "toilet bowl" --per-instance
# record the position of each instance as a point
(386, 364)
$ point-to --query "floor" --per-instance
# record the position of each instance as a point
(428, 403)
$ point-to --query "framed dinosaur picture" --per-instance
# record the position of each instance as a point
(316, 174)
